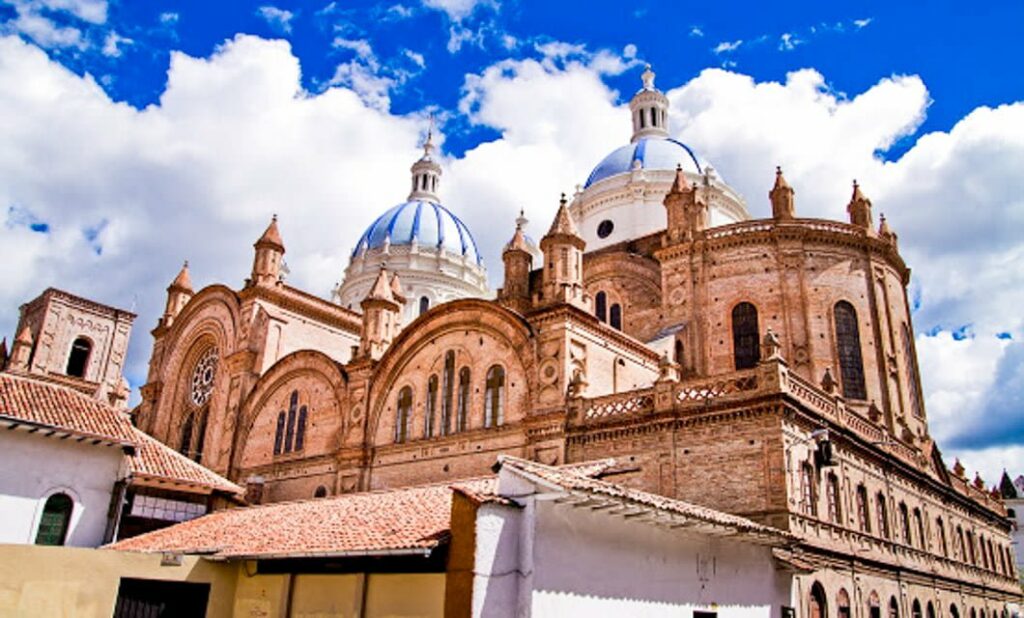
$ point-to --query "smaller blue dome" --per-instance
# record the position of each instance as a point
(425, 223)
(653, 153)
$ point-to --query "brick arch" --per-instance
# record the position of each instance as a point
(630, 280)
(293, 372)
(210, 318)
(465, 315)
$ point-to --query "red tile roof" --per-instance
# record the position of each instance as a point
(49, 405)
(155, 461)
(397, 521)
(570, 481)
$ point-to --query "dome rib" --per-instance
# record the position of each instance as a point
(653, 153)
(407, 223)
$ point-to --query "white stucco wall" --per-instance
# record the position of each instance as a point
(36, 467)
(549, 559)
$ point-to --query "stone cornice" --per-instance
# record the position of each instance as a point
(306, 304)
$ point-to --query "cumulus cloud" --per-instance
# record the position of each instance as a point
(457, 10)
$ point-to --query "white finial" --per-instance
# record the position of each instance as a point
(521, 220)
(428, 144)
(648, 78)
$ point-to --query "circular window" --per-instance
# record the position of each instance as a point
(202, 377)
(604, 228)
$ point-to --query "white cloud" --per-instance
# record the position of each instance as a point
(276, 18)
(727, 46)
(696, 31)
(862, 23)
(46, 33)
(788, 41)
(112, 44)
(457, 10)
(169, 18)
(415, 57)
(92, 11)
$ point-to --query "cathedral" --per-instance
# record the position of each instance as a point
(764, 367)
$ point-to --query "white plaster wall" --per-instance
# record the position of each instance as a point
(595, 564)
(35, 467)
(1017, 533)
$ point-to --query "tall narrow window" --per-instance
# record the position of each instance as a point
(601, 306)
(745, 346)
(494, 397)
(984, 556)
(971, 557)
(431, 407)
(843, 604)
(448, 393)
(883, 515)
(961, 544)
(279, 433)
(615, 316)
(79, 357)
(817, 603)
(200, 439)
(835, 512)
(905, 524)
(679, 352)
(894, 608)
(424, 304)
(54, 522)
(912, 375)
(942, 537)
(915, 609)
(851, 365)
(930, 610)
(643, 119)
(922, 538)
(863, 517)
(463, 411)
(300, 430)
(874, 605)
(565, 262)
(289, 432)
(187, 429)
(403, 414)
(809, 489)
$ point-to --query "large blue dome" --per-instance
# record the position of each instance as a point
(653, 153)
(426, 223)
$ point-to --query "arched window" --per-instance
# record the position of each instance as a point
(279, 433)
(915, 609)
(809, 489)
(643, 119)
(615, 316)
(842, 604)
(863, 517)
(922, 538)
(321, 492)
(448, 390)
(187, 429)
(882, 514)
(817, 604)
(78, 359)
(289, 431)
(874, 605)
(197, 451)
(424, 304)
(745, 346)
(431, 407)
(494, 397)
(894, 608)
(929, 610)
(984, 556)
(974, 614)
(601, 306)
(403, 414)
(912, 375)
(679, 352)
(971, 557)
(54, 522)
(905, 523)
(835, 510)
(300, 430)
(463, 402)
(961, 544)
(953, 611)
(943, 547)
(851, 365)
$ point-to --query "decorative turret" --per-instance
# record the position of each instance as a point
(396, 289)
(426, 173)
(563, 261)
(266, 266)
(686, 210)
(860, 209)
(178, 294)
(781, 195)
(381, 311)
(515, 293)
(884, 231)
(21, 351)
(649, 107)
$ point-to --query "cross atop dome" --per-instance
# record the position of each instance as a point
(426, 173)
(650, 109)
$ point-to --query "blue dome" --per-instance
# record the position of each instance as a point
(653, 153)
(426, 223)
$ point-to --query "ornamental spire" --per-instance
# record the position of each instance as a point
(426, 173)
(649, 108)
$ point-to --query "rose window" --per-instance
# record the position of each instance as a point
(202, 377)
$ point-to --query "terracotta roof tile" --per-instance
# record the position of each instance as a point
(154, 460)
(51, 405)
(393, 521)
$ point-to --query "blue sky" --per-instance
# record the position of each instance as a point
(136, 135)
